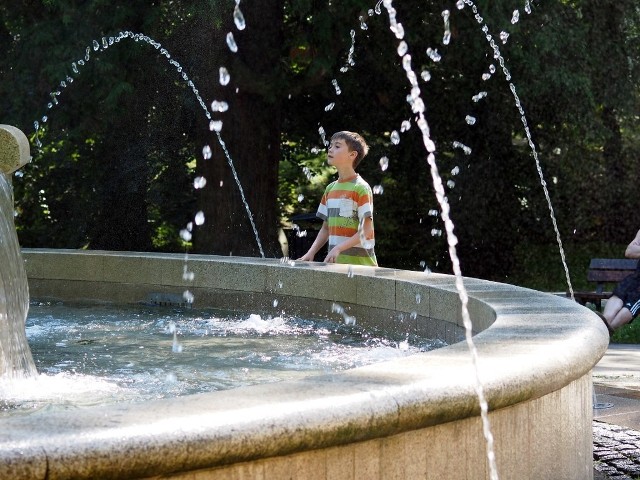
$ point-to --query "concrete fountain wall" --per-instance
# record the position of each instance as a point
(416, 417)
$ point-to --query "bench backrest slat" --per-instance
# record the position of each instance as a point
(610, 270)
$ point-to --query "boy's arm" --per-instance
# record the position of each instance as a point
(318, 243)
(633, 249)
(352, 241)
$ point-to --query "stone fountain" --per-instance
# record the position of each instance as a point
(415, 417)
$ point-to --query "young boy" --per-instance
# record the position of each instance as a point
(346, 206)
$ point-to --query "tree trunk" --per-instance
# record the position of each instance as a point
(251, 131)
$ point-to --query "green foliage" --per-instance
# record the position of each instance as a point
(116, 168)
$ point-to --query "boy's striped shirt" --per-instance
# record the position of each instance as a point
(344, 206)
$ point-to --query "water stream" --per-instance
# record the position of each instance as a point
(15, 357)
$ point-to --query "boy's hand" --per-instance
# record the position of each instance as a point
(332, 255)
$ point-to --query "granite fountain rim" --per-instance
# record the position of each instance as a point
(563, 340)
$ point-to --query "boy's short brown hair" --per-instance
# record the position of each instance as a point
(355, 142)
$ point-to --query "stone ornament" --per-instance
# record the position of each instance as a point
(14, 149)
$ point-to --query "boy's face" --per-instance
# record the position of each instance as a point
(339, 154)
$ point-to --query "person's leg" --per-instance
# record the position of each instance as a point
(623, 317)
(612, 307)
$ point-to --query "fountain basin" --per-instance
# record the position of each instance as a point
(414, 417)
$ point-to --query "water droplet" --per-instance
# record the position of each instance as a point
(206, 152)
(188, 296)
(349, 320)
(435, 232)
(504, 36)
(231, 42)
(329, 107)
(486, 76)
(470, 120)
(378, 190)
(527, 8)
(323, 135)
(492, 69)
(406, 125)
(275, 303)
(433, 213)
(188, 276)
(334, 82)
(402, 48)
(74, 67)
(363, 25)
(479, 96)
(451, 183)
(224, 76)
(300, 197)
(215, 125)
(460, 4)
(199, 182)
(426, 76)
(80, 62)
(199, 218)
(44, 119)
(105, 43)
(413, 315)
(350, 272)
(337, 308)
(238, 18)
(433, 54)
(96, 46)
(280, 284)
(87, 54)
(219, 106)
(462, 146)
(418, 296)
(516, 17)
(455, 170)
(185, 235)
(395, 137)
(384, 163)
(446, 38)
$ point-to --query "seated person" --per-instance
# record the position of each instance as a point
(624, 304)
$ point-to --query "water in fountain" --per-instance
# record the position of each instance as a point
(100, 354)
(15, 357)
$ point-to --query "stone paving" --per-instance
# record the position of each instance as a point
(616, 452)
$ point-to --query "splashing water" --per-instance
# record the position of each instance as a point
(523, 119)
(215, 125)
(446, 38)
(418, 107)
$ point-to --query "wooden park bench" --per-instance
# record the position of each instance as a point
(604, 272)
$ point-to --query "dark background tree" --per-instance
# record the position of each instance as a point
(123, 146)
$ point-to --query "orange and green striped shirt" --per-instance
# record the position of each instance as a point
(344, 206)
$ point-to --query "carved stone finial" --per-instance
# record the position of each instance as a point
(14, 149)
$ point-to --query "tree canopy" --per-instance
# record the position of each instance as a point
(126, 124)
